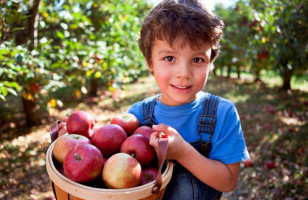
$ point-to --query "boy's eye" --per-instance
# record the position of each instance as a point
(198, 60)
(169, 58)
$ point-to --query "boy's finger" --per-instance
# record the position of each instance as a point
(61, 125)
(62, 131)
(64, 119)
(160, 127)
(154, 139)
(164, 128)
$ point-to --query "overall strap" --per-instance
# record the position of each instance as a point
(148, 110)
(207, 120)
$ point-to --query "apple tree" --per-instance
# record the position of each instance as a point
(235, 50)
(47, 46)
(284, 34)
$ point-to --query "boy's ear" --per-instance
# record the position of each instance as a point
(149, 66)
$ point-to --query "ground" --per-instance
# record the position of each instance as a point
(275, 125)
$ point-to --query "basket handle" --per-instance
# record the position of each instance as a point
(161, 152)
(54, 130)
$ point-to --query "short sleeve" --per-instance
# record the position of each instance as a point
(136, 109)
(228, 142)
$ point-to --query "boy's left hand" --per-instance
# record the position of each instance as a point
(175, 141)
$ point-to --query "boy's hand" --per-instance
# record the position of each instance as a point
(175, 141)
(62, 127)
(58, 129)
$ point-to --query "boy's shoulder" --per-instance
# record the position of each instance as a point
(225, 102)
(222, 101)
(144, 101)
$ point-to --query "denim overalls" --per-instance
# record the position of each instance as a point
(184, 185)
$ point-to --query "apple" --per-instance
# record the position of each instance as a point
(270, 164)
(149, 174)
(84, 163)
(270, 109)
(65, 143)
(248, 163)
(127, 121)
(144, 130)
(138, 146)
(108, 139)
(80, 122)
(121, 171)
(267, 126)
(35, 87)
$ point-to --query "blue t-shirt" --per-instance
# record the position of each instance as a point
(228, 144)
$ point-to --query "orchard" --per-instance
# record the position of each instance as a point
(60, 57)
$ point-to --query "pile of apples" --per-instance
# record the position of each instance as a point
(116, 155)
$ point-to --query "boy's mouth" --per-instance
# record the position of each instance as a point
(181, 87)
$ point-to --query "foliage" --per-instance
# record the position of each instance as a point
(77, 40)
(76, 45)
(266, 34)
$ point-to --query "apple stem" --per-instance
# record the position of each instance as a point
(133, 155)
(77, 137)
(77, 156)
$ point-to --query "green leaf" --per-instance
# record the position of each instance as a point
(2, 97)
(60, 35)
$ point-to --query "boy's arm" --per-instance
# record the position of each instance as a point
(214, 173)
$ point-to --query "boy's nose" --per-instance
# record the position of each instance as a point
(183, 71)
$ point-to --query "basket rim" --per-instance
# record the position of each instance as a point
(87, 192)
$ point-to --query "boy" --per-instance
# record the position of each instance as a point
(180, 41)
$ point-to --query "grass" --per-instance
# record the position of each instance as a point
(272, 79)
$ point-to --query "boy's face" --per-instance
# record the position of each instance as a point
(180, 71)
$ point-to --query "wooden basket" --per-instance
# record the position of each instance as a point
(65, 188)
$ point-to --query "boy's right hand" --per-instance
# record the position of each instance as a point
(176, 143)
(58, 129)
(62, 127)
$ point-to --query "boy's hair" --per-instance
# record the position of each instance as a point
(187, 18)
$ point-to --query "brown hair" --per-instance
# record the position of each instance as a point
(188, 18)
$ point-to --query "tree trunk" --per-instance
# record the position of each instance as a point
(214, 71)
(93, 87)
(238, 72)
(222, 71)
(32, 112)
(31, 107)
(229, 71)
(287, 79)
(33, 23)
(257, 78)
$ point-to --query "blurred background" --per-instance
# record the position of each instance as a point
(59, 56)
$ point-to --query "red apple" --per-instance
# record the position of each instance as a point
(144, 130)
(84, 163)
(109, 139)
(270, 164)
(270, 109)
(35, 87)
(248, 163)
(267, 126)
(149, 174)
(121, 171)
(80, 122)
(138, 147)
(127, 121)
(65, 143)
